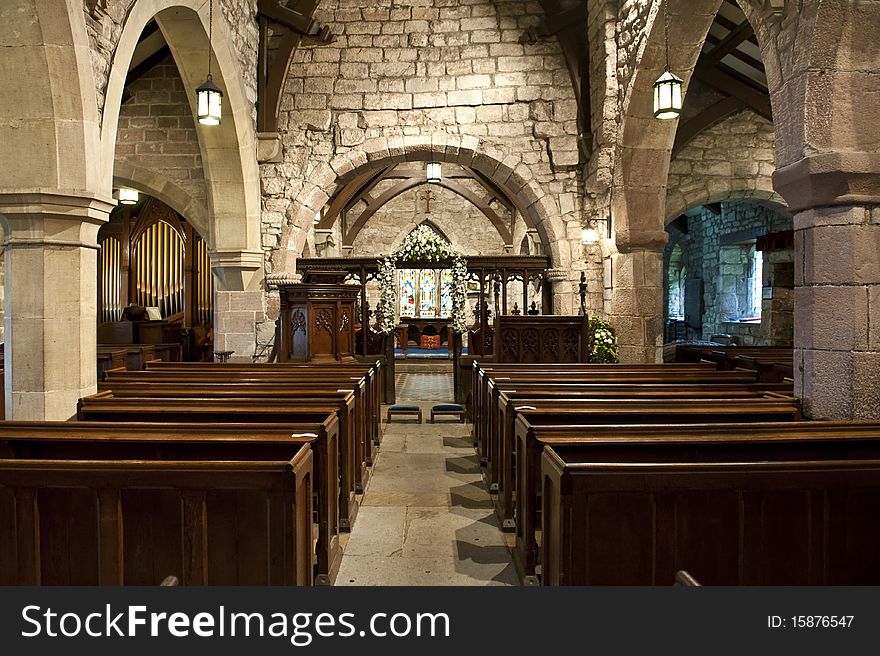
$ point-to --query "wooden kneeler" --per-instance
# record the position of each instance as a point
(447, 409)
(404, 410)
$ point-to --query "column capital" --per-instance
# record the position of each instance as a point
(628, 241)
(237, 270)
(274, 280)
(825, 179)
(51, 217)
(557, 275)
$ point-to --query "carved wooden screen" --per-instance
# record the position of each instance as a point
(541, 339)
(110, 258)
(157, 266)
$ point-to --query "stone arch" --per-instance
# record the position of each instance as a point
(49, 95)
(158, 186)
(645, 143)
(699, 197)
(228, 150)
(508, 172)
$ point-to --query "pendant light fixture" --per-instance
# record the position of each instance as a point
(127, 196)
(433, 172)
(668, 87)
(210, 98)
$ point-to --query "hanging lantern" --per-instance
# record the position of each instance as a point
(667, 95)
(127, 196)
(210, 102)
(433, 172)
(209, 96)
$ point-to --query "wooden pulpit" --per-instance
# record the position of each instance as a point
(318, 319)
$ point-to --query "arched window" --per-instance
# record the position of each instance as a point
(425, 293)
(676, 275)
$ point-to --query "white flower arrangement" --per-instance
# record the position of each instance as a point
(421, 245)
(603, 343)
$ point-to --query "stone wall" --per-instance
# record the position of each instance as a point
(631, 34)
(710, 253)
(457, 69)
(104, 27)
(157, 130)
(732, 159)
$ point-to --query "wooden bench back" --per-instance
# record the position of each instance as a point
(791, 522)
(99, 522)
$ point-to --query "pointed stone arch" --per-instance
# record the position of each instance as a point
(228, 150)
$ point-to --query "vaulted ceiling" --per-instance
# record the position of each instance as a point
(730, 64)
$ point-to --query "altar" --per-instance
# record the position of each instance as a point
(412, 330)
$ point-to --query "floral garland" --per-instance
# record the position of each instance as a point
(421, 245)
(386, 308)
(603, 343)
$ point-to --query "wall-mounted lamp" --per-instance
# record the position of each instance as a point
(433, 172)
(668, 87)
(209, 95)
(590, 233)
(127, 196)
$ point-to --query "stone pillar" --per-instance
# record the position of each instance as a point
(563, 294)
(51, 260)
(637, 304)
(238, 301)
(837, 311)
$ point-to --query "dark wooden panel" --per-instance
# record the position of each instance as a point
(151, 550)
(619, 556)
(8, 564)
(707, 549)
(238, 537)
(853, 537)
(68, 536)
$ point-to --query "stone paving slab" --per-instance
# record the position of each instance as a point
(426, 517)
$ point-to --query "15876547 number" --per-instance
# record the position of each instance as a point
(821, 621)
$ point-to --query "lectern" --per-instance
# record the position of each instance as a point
(318, 318)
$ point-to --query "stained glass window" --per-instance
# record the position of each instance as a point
(446, 293)
(408, 292)
(428, 293)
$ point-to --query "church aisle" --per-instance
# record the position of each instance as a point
(426, 517)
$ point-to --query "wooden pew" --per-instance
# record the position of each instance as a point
(743, 509)
(480, 371)
(355, 449)
(129, 522)
(183, 442)
(535, 427)
(202, 411)
(342, 375)
(527, 385)
(502, 437)
(163, 441)
(658, 375)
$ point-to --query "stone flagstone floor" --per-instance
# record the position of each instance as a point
(426, 517)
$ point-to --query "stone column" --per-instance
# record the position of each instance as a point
(238, 301)
(836, 214)
(51, 302)
(563, 295)
(837, 311)
(637, 304)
